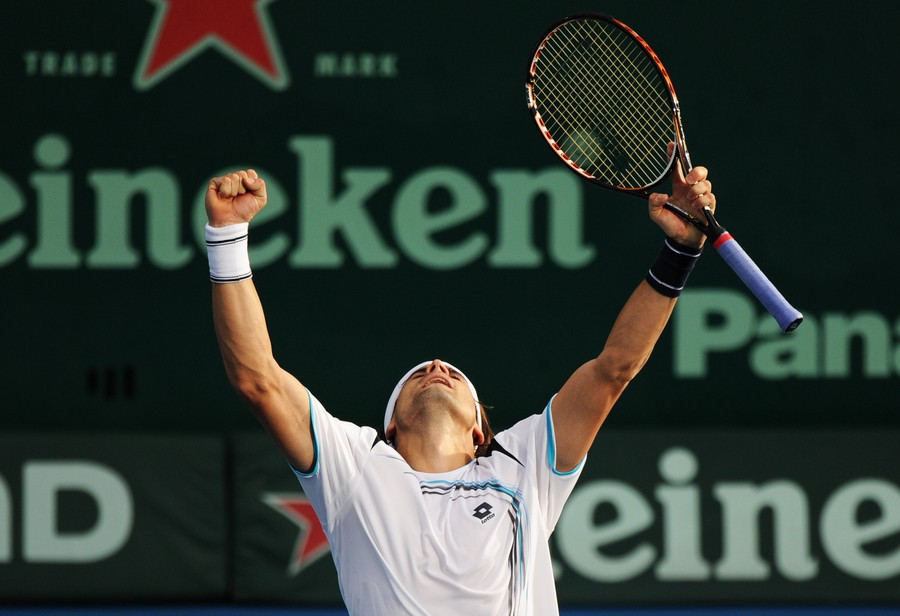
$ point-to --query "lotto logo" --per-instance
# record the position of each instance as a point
(483, 512)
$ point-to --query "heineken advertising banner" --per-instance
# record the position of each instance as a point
(657, 517)
(674, 517)
(415, 211)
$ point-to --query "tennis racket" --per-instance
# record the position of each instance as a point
(604, 102)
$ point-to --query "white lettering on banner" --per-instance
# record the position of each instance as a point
(580, 540)
(681, 557)
(382, 65)
(5, 523)
(42, 540)
(742, 504)
(584, 542)
(712, 321)
(844, 537)
(333, 220)
(49, 63)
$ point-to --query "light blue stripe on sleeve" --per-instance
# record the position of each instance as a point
(551, 443)
(315, 435)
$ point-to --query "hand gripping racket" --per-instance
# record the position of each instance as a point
(604, 102)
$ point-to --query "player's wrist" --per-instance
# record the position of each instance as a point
(692, 239)
(224, 220)
(226, 248)
(669, 273)
(685, 246)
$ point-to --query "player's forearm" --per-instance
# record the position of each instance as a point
(243, 336)
(635, 334)
(645, 314)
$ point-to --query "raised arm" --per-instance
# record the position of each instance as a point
(277, 399)
(584, 402)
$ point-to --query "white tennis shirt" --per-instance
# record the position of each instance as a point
(470, 541)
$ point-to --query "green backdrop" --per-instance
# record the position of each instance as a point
(416, 212)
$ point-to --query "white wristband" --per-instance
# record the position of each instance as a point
(226, 248)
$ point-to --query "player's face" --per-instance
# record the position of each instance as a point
(436, 386)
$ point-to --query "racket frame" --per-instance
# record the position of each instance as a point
(678, 127)
(788, 317)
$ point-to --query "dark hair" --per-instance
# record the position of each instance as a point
(482, 450)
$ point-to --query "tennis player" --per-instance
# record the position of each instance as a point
(433, 514)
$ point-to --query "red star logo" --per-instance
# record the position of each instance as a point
(182, 29)
(311, 542)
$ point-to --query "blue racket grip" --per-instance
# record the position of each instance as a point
(787, 316)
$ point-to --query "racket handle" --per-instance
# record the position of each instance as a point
(787, 316)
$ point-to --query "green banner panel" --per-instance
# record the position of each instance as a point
(750, 516)
(415, 212)
(112, 518)
(680, 517)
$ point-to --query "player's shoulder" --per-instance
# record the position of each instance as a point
(522, 433)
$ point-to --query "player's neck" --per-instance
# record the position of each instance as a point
(436, 451)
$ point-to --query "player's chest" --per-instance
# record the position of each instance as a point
(466, 515)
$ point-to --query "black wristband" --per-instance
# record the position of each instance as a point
(670, 271)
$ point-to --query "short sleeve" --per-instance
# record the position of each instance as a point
(533, 443)
(341, 452)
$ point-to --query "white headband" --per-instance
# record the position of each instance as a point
(389, 411)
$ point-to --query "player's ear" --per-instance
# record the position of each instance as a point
(477, 436)
(391, 431)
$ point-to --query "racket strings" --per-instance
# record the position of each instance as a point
(604, 103)
(625, 75)
(591, 103)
